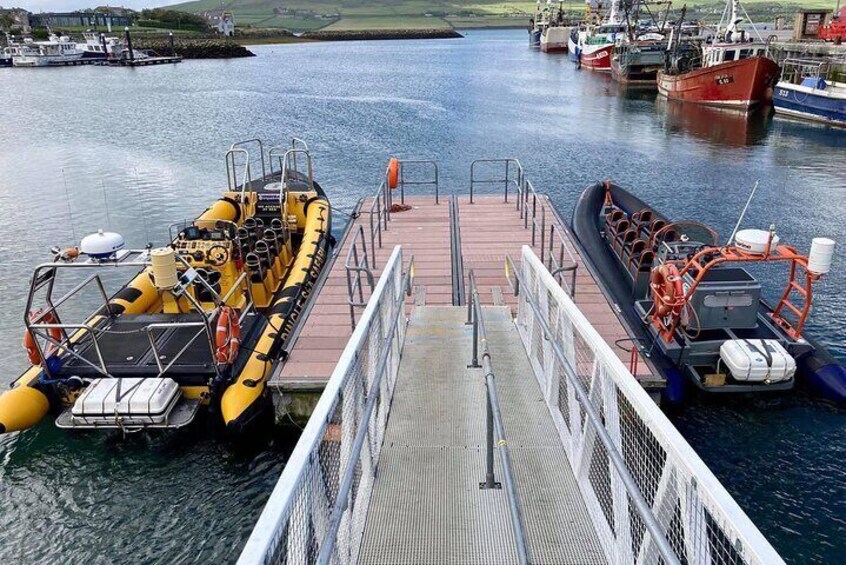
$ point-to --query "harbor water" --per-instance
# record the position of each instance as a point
(135, 150)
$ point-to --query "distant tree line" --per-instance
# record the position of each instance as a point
(172, 19)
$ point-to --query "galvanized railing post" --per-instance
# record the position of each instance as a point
(490, 479)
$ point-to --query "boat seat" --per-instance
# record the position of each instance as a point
(644, 217)
(634, 251)
(612, 218)
(264, 253)
(644, 263)
(254, 264)
(619, 228)
(624, 241)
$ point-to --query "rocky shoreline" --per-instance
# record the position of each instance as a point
(364, 35)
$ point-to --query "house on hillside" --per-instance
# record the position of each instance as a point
(224, 23)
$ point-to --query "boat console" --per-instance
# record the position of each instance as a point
(200, 321)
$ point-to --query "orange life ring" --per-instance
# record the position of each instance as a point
(29, 339)
(667, 291)
(227, 336)
(393, 172)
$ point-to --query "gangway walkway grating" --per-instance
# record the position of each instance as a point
(388, 468)
(427, 506)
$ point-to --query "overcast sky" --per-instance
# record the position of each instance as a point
(71, 5)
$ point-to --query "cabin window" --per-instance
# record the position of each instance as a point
(744, 54)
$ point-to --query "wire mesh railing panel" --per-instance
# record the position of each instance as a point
(650, 497)
(318, 509)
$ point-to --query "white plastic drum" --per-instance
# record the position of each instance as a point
(821, 255)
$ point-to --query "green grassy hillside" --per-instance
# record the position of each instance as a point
(303, 15)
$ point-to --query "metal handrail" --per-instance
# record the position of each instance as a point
(642, 507)
(291, 154)
(506, 180)
(434, 182)
(380, 209)
(232, 173)
(342, 500)
(547, 252)
(355, 266)
(494, 424)
(247, 143)
(556, 264)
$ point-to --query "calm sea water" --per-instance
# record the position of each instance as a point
(138, 149)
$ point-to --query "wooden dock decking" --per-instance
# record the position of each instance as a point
(490, 229)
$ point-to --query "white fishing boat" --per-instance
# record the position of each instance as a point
(58, 50)
(98, 46)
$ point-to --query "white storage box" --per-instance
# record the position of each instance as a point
(757, 360)
(135, 401)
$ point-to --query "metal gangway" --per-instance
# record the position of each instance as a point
(460, 434)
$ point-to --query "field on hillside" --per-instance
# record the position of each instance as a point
(304, 15)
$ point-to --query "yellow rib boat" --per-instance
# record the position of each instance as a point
(203, 321)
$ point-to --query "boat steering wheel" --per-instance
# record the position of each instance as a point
(217, 256)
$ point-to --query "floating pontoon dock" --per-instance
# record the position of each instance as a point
(449, 234)
(477, 413)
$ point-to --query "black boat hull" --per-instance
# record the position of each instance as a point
(823, 374)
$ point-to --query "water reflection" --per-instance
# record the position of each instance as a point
(718, 126)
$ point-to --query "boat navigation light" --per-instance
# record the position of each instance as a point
(821, 255)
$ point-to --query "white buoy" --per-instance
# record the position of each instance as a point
(102, 244)
(821, 255)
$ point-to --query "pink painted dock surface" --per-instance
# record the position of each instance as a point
(490, 230)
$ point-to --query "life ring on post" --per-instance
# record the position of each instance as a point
(667, 290)
(29, 339)
(227, 336)
(393, 172)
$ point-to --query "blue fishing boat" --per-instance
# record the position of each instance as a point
(806, 91)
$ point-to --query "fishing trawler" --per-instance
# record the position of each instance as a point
(538, 23)
(200, 323)
(700, 313)
(590, 45)
(554, 36)
(733, 71)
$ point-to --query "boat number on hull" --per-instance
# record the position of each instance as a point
(782, 93)
(724, 79)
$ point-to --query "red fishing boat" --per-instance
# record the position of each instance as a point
(735, 72)
(591, 45)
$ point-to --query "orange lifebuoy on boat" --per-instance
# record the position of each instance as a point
(29, 339)
(393, 172)
(227, 336)
(667, 290)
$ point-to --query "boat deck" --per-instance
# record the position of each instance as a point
(427, 505)
(490, 229)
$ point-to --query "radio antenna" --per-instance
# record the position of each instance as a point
(70, 211)
(743, 213)
(106, 201)
(141, 201)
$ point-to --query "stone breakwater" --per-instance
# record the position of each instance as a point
(194, 48)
